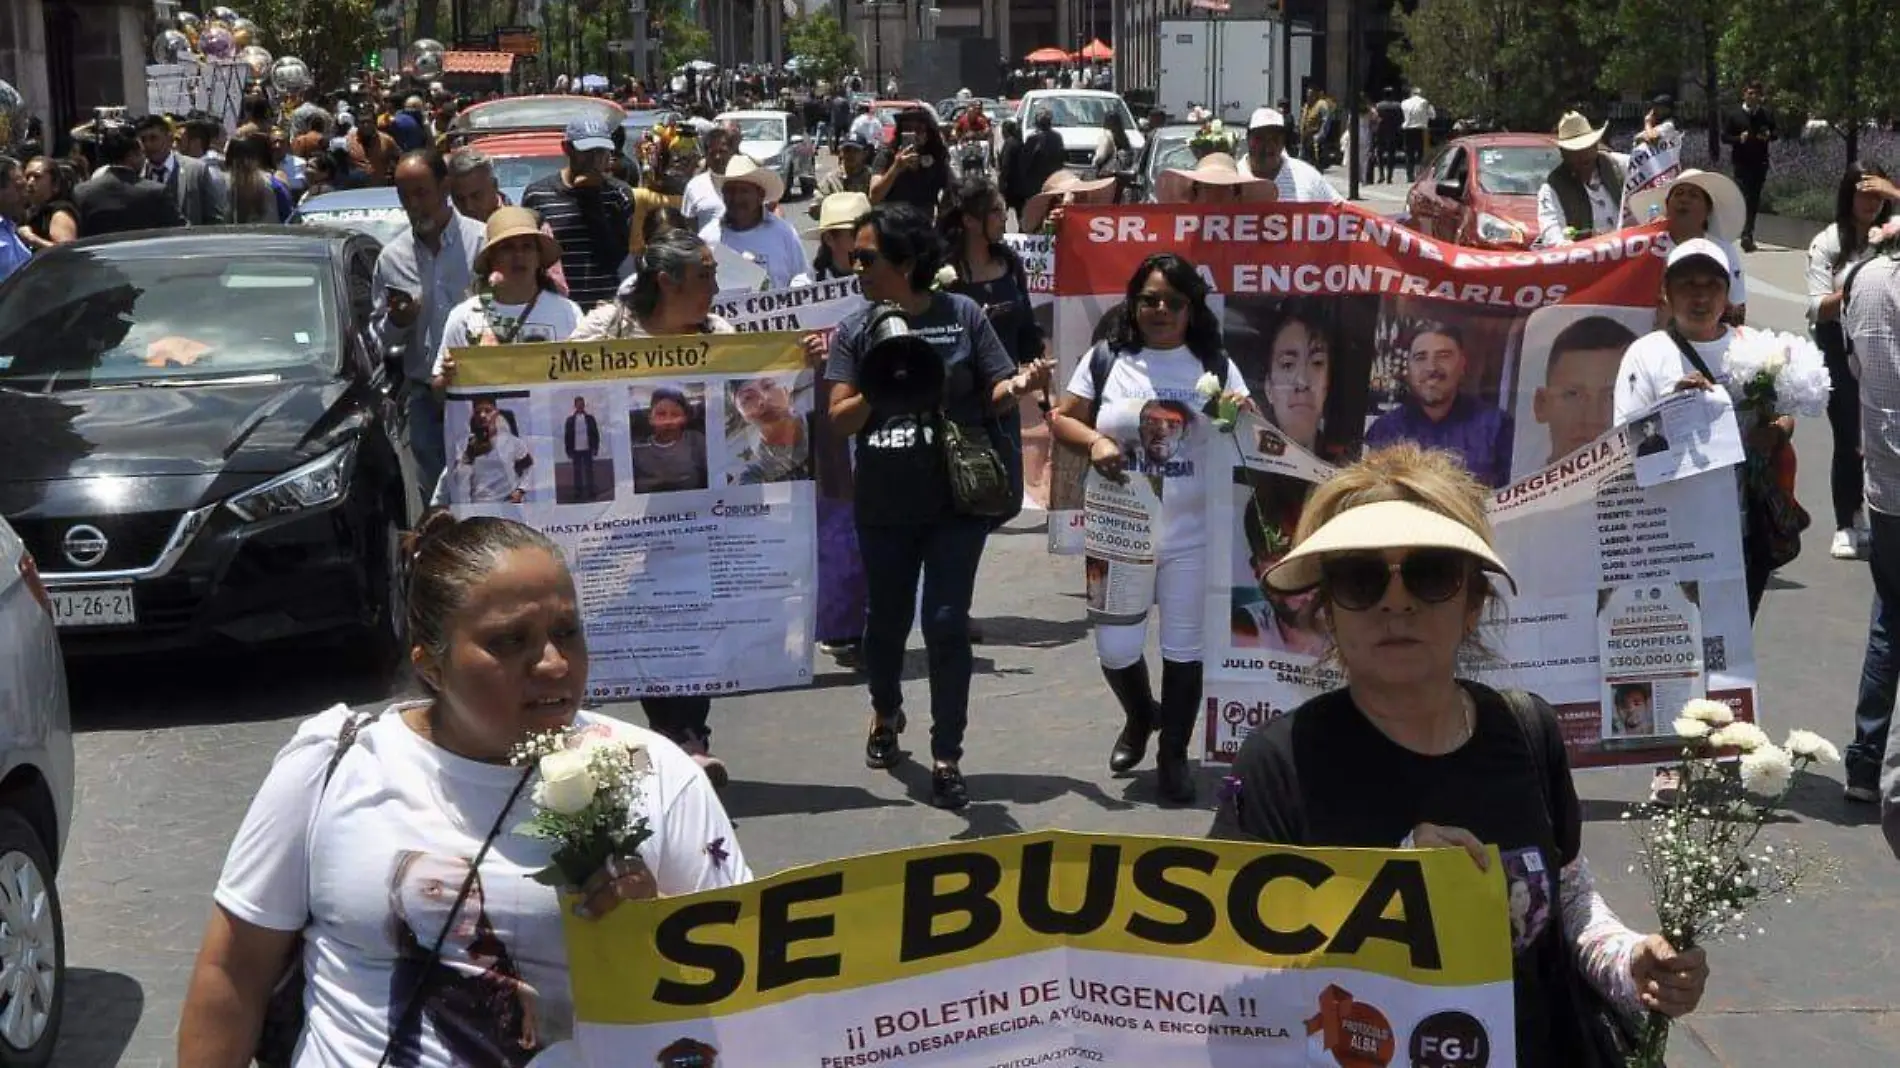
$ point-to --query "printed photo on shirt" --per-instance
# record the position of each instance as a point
(1438, 375)
(474, 1001)
(1268, 507)
(1528, 880)
(584, 467)
(1566, 380)
(770, 429)
(1304, 360)
(667, 423)
(492, 443)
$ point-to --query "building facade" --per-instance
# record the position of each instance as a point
(67, 57)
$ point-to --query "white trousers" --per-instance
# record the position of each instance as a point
(1181, 596)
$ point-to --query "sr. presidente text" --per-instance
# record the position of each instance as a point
(953, 903)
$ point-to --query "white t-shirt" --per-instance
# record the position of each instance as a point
(701, 203)
(553, 318)
(1652, 366)
(868, 127)
(1181, 459)
(773, 244)
(1298, 181)
(369, 876)
(491, 477)
(1737, 281)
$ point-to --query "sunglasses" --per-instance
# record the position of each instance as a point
(864, 257)
(1357, 581)
(1154, 301)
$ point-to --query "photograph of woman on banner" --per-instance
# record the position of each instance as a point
(1215, 180)
(1442, 376)
(1566, 379)
(1265, 618)
(491, 464)
(668, 425)
(1398, 550)
(770, 427)
(1140, 394)
(1309, 374)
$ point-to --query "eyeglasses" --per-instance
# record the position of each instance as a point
(864, 257)
(1357, 581)
(1155, 301)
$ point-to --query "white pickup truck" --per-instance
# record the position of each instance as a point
(1078, 115)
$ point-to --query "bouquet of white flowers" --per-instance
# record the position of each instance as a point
(1706, 871)
(1220, 405)
(584, 800)
(1779, 374)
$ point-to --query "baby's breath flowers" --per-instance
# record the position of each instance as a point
(584, 797)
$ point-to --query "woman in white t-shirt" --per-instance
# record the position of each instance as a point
(369, 828)
(521, 305)
(1133, 406)
(1704, 204)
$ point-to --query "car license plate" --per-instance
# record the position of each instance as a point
(97, 606)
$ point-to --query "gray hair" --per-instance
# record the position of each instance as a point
(466, 161)
(670, 255)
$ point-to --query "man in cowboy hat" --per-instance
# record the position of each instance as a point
(748, 228)
(1582, 196)
(1296, 180)
(589, 211)
(1215, 179)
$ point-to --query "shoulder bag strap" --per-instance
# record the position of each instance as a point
(1101, 365)
(1689, 353)
(414, 1003)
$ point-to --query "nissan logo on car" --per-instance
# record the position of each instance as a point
(84, 545)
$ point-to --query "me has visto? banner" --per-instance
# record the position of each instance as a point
(1061, 950)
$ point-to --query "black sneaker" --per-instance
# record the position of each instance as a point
(947, 789)
(880, 748)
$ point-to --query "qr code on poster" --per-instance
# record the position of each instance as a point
(1714, 653)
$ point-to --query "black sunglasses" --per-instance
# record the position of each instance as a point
(1151, 301)
(864, 257)
(1357, 581)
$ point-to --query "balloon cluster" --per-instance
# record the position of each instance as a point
(223, 34)
(423, 59)
(12, 115)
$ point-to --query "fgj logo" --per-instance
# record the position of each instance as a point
(1355, 1033)
(1450, 1039)
(689, 1053)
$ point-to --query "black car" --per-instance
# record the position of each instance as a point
(201, 441)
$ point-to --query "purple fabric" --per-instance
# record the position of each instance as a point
(1479, 434)
(841, 588)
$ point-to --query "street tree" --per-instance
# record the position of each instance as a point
(1512, 62)
(821, 45)
(1651, 46)
(1823, 60)
(333, 38)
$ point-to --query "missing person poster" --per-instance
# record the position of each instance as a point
(1352, 332)
(1061, 949)
(1120, 541)
(677, 473)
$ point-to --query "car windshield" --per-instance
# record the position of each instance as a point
(1173, 153)
(760, 129)
(383, 224)
(549, 112)
(94, 319)
(526, 170)
(1072, 111)
(1516, 170)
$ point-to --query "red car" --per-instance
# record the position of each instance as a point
(1481, 191)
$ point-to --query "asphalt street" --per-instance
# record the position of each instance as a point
(170, 751)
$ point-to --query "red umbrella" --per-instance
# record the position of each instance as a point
(1097, 50)
(1047, 55)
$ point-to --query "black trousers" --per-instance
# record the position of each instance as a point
(1386, 150)
(679, 718)
(1846, 478)
(1751, 177)
(1414, 152)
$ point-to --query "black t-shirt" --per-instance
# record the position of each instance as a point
(900, 463)
(1325, 776)
(1005, 302)
(922, 186)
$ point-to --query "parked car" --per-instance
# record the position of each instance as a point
(777, 141)
(1078, 115)
(1481, 191)
(373, 210)
(36, 809)
(522, 114)
(1166, 149)
(205, 446)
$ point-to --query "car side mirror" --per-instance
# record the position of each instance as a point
(1451, 190)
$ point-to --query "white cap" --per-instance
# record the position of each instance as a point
(1698, 248)
(1264, 118)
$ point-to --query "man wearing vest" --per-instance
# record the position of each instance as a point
(1583, 196)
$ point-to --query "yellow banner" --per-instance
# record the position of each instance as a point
(485, 366)
(1428, 918)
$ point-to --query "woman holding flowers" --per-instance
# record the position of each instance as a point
(424, 874)
(1133, 407)
(1398, 551)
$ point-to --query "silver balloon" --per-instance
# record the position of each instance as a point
(289, 75)
(171, 46)
(188, 23)
(427, 65)
(256, 58)
(423, 53)
(224, 15)
(216, 42)
(245, 33)
(12, 114)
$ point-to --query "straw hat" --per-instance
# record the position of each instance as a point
(1574, 133)
(1176, 185)
(1064, 187)
(841, 211)
(1727, 215)
(1376, 526)
(743, 168)
(513, 222)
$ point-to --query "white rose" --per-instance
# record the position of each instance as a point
(1743, 736)
(567, 782)
(1691, 728)
(1767, 770)
(946, 277)
(1813, 747)
(1714, 713)
(1207, 386)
